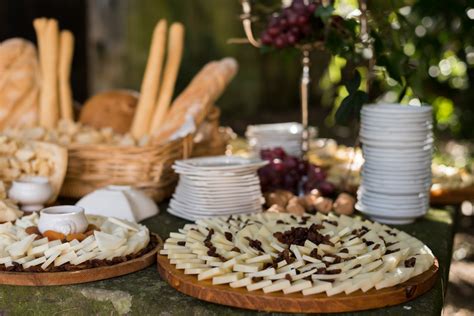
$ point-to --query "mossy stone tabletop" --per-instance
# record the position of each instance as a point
(145, 293)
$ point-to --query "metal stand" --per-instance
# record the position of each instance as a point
(247, 20)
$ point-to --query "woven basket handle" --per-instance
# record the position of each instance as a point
(188, 146)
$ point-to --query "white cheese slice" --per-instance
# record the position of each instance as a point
(227, 278)
(177, 261)
(182, 266)
(60, 247)
(182, 256)
(241, 283)
(34, 262)
(209, 274)
(298, 286)
(83, 258)
(304, 275)
(317, 287)
(24, 259)
(276, 286)
(89, 247)
(21, 247)
(195, 270)
(107, 241)
(125, 224)
(258, 285)
(51, 259)
(39, 242)
(281, 275)
(338, 287)
(239, 267)
(262, 258)
(38, 250)
(263, 273)
(65, 258)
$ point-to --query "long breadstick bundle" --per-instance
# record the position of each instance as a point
(47, 32)
(66, 50)
(151, 82)
(198, 97)
(173, 62)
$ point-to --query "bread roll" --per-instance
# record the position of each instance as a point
(113, 109)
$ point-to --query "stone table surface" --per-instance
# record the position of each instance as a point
(145, 293)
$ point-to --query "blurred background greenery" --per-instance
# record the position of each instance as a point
(431, 43)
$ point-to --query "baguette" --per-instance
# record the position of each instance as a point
(66, 50)
(174, 55)
(197, 99)
(151, 82)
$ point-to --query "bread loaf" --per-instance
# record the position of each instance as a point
(19, 84)
(113, 109)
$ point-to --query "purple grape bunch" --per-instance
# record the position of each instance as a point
(291, 25)
(291, 173)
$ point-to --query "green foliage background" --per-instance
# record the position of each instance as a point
(432, 44)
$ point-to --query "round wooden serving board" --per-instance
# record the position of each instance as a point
(296, 302)
(81, 276)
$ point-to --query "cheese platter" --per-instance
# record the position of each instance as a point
(109, 247)
(278, 262)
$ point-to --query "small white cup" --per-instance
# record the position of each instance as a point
(65, 219)
(31, 192)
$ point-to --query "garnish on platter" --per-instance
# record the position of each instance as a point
(277, 252)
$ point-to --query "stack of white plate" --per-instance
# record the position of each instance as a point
(285, 135)
(216, 186)
(397, 144)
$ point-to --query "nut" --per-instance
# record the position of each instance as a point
(344, 204)
(323, 205)
(276, 209)
(294, 207)
(273, 198)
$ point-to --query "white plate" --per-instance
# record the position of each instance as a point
(422, 145)
(222, 210)
(392, 137)
(215, 207)
(218, 163)
(412, 110)
(415, 212)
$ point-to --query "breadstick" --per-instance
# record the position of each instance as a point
(40, 28)
(48, 38)
(173, 61)
(151, 82)
(66, 50)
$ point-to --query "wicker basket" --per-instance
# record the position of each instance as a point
(148, 168)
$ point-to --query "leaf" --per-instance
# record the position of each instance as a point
(350, 107)
(353, 85)
(402, 93)
(324, 12)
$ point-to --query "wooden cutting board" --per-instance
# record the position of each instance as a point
(81, 276)
(296, 302)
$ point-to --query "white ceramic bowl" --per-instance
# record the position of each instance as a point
(119, 201)
(65, 219)
(31, 192)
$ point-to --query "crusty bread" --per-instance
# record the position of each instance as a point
(114, 108)
(197, 99)
(19, 83)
